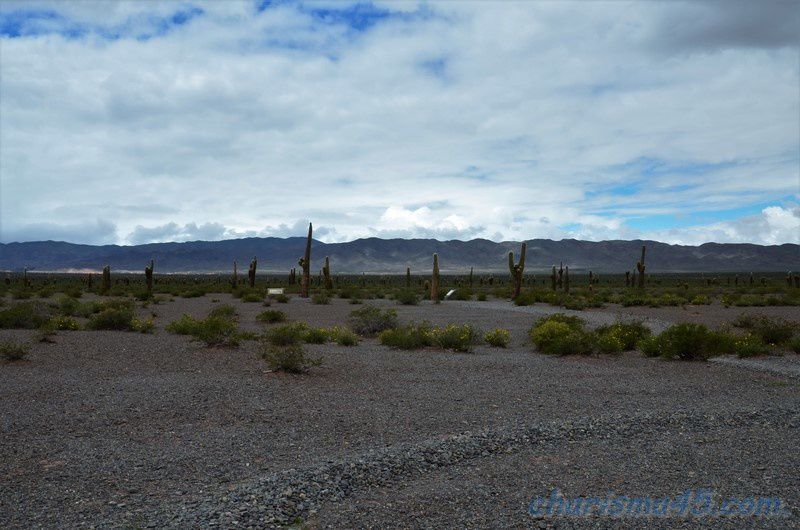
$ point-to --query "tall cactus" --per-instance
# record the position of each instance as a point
(305, 264)
(251, 272)
(640, 267)
(566, 280)
(553, 278)
(148, 277)
(470, 277)
(326, 271)
(105, 286)
(516, 270)
(591, 281)
(435, 279)
(408, 277)
(235, 279)
(292, 276)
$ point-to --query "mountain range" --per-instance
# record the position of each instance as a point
(374, 255)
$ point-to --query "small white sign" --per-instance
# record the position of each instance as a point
(275, 291)
(449, 294)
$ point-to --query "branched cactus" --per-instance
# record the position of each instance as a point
(435, 279)
(640, 267)
(305, 264)
(251, 272)
(148, 276)
(326, 272)
(105, 286)
(516, 270)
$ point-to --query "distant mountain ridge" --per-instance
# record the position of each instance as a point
(374, 255)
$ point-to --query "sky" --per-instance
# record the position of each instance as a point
(137, 122)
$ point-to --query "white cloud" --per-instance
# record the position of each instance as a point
(454, 120)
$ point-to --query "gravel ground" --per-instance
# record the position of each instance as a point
(114, 429)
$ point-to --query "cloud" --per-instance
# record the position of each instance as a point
(98, 232)
(445, 120)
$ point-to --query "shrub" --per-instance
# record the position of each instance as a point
(794, 344)
(63, 323)
(626, 335)
(287, 334)
(289, 358)
(454, 337)
(572, 321)
(481, 297)
(213, 331)
(771, 331)
(749, 345)
(271, 316)
(11, 351)
(407, 297)
(498, 337)
(142, 325)
(252, 297)
(223, 311)
(688, 341)
(370, 320)
(411, 337)
(24, 315)
(321, 299)
(316, 336)
(557, 337)
(343, 336)
(111, 318)
(281, 298)
(701, 299)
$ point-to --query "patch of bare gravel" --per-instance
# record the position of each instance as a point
(115, 429)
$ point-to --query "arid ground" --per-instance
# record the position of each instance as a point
(122, 429)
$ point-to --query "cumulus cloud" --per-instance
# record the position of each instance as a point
(182, 120)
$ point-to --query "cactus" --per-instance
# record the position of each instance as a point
(235, 279)
(148, 277)
(292, 276)
(470, 277)
(566, 280)
(627, 278)
(640, 267)
(251, 272)
(435, 279)
(752, 279)
(408, 277)
(516, 270)
(591, 281)
(561, 275)
(305, 264)
(797, 280)
(106, 284)
(326, 271)
(789, 278)
(553, 279)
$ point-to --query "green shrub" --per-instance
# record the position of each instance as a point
(481, 297)
(370, 320)
(289, 358)
(271, 316)
(498, 338)
(688, 341)
(63, 323)
(572, 321)
(24, 315)
(223, 311)
(316, 336)
(407, 297)
(775, 331)
(556, 337)
(111, 318)
(286, 334)
(281, 298)
(142, 325)
(701, 299)
(252, 297)
(625, 335)
(749, 345)
(457, 337)
(213, 331)
(411, 337)
(11, 351)
(343, 336)
(794, 344)
(321, 299)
